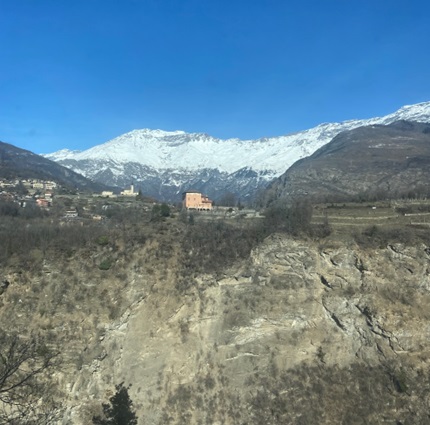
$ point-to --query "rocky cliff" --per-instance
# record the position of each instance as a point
(301, 332)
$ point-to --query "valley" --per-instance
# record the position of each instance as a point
(303, 303)
(214, 213)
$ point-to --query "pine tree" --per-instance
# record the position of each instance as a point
(119, 409)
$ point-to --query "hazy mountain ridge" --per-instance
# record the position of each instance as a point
(179, 160)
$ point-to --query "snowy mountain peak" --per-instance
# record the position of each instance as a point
(61, 154)
(423, 107)
(417, 112)
(154, 133)
(139, 155)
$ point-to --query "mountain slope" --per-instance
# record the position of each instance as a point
(20, 163)
(165, 163)
(375, 160)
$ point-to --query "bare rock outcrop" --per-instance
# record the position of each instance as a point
(300, 333)
(333, 332)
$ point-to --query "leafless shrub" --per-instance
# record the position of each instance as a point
(25, 388)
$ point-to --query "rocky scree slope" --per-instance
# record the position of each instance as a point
(164, 164)
(299, 333)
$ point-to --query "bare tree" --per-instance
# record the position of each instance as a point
(26, 366)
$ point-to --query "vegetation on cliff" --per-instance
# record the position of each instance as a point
(313, 314)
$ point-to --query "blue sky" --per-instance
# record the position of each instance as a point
(76, 73)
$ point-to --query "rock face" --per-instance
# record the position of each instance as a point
(297, 335)
(300, 333)
(376, 160)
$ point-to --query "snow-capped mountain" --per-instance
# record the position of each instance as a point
(165, 163)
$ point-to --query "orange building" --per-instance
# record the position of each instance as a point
(196, 201)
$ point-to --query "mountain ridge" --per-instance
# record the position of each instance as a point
(159, 154)
(16, 162)
(375, 161)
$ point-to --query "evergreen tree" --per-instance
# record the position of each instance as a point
(159, 212)
(119, 410)
(164, 210)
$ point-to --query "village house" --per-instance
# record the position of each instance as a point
(38, 184)
(71, 214)
(107, 194)
(6, 183)
(43, 203)
(129, 192)
(50, 185)
(192, 200)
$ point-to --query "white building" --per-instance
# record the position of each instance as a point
(129, 192)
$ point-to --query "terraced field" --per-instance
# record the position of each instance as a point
(385, 214)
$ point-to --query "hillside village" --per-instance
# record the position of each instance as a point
(49, 197)
(28, 191)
